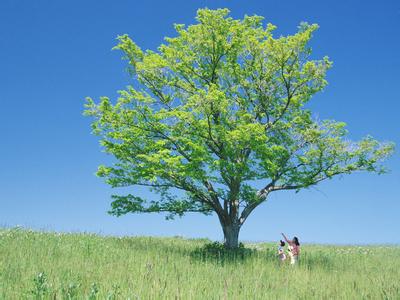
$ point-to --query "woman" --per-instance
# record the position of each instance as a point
(294, 249)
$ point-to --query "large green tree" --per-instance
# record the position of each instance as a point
(217, 109)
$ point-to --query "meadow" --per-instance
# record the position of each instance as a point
(44, 265)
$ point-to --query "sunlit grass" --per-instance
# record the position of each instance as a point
(39, 265)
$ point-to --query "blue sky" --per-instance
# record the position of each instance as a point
(55, 53)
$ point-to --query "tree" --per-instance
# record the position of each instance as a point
(216, 109)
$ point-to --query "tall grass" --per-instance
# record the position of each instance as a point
(39, 265)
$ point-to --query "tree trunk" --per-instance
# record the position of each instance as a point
(231, 236)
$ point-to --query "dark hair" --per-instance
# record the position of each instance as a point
(282, 243)
(296, 241)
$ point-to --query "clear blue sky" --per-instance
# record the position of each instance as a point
(55, 53)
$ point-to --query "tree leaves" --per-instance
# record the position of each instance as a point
(217, 107)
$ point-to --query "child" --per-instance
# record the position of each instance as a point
(293, 248)
(281, 253)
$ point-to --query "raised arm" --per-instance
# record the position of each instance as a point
(286, 239)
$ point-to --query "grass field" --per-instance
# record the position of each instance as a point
(39, 265)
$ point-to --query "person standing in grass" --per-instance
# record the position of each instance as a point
(293, 248)
(281, 252)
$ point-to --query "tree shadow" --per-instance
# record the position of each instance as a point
(217, 253)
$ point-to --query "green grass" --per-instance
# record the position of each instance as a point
(39, 265)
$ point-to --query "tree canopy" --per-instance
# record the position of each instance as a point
(216, 108)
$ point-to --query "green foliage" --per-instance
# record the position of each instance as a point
(169, 268)
(216, 107)
(40, 286)
(94, 290)
(71, 291)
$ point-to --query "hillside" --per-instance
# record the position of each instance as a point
(39, 265)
